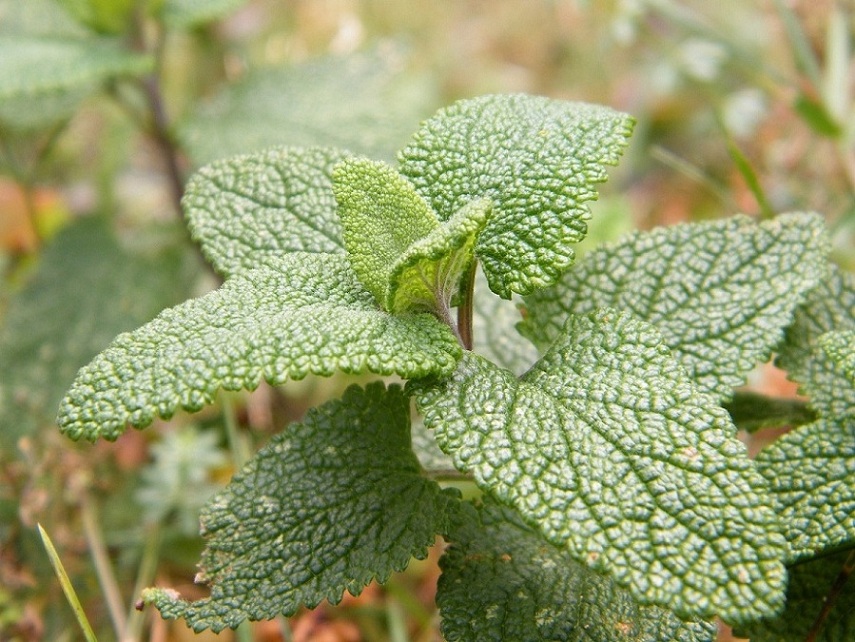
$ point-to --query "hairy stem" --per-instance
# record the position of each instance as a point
(467, 303)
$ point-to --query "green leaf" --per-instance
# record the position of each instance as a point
(86, 289)
(309, 315)
(608, 447)
(502, 581)
(183, 14)
(751, 411)
(382, 216)
(816, 115)
(721, 293)
(249, 210)
(38, 18)
(396, 244)
(538, 161)
(315, 513)
(839, 347)
(42, 79)
(807, 594)
(811, 472)
(364, 103)
(828, 307)
(494, 330)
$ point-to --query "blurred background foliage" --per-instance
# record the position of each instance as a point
(106, 106)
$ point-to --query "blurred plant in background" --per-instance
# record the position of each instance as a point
(105, 107)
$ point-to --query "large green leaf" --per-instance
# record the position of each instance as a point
(249, 210)
(721, 293)
(830, 307)
(610, 449)
(502, 581)
(363, 103)
(86, 289)
(315, 513)
(537, 159)
(811, 472)
(840, 348)
(397, 246)
(807, 595)
(309, 316)
(44, 78)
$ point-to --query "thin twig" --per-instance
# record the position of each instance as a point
(145, 577)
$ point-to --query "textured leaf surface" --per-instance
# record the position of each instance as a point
(502, 581)
(310, 316)
(828, 307)
(381, 216)
(609, 448)
(811, 472)
(537, 159)
(721, 293)
(840, 348)
(189, 13)
(43, 78)
(364, 103)
(397, 246)
(315, 513)
(808, 588)
(494, 331)
(86, 289)
(249, 210)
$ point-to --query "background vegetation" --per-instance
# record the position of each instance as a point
(741, 107)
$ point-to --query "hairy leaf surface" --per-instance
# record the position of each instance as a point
(721, 293)
(829, 307)
(537, 159)
(249, 210)
(87, 289)
(315, 513)
(501, 580)
(397, 246)
(608, 447)
(807, 593)
(840, 348)
(363, 102)
(811, 472)
(309, 316)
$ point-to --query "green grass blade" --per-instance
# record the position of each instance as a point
(67, 588)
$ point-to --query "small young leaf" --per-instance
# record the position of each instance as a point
(811, 472)
(362, 102)
(501, 580)
(807, 595)
(828, 307)
(536, 159)
(608, 447)
(397, 246)
(381, 216)
(721, 293)
(308, 315)
(249, 210)
(58, 73)
(316, 512)
(86, 289)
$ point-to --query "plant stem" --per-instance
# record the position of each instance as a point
(237, 446)
(67, 587)
(751, 411)
(103, 568)
(467, 304)
(831, 598)
(145, 576)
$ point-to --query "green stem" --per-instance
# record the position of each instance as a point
(467, 304)
(145, 577)
(237, 445)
